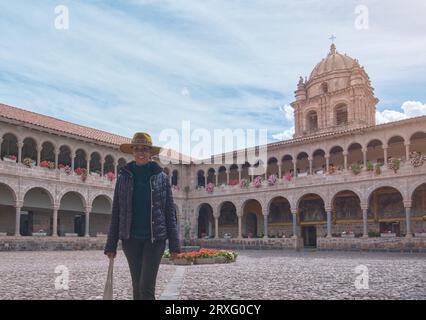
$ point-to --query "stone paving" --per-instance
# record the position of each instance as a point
(256, 275)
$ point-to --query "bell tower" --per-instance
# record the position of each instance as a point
(338, 95)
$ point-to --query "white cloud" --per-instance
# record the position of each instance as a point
(285, 135)
(288, 112)
(185, 92)
(410, 109)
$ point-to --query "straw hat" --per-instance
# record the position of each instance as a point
(140, 139)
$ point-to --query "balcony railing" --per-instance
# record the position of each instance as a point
(306, 179)
(19, 169)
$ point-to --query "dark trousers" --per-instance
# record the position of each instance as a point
(144, 259)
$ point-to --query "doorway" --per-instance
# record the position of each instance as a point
(309, 235)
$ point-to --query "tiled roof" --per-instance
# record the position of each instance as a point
(40, 120)
(29, 117)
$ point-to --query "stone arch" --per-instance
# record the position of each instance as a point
(205, 221)
(228, 219)
(9, 145)
(347, 204)
(386, 204)
(252, 218)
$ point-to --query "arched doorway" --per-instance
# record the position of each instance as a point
(228, 220)
(387, 206)
(100, 216)
(205, 222)
(280, 218)
(312, 218)
(71, 215)
(252, 219)
(7, 210)
(37, 213)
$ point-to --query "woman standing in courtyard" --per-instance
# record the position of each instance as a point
(143, 216)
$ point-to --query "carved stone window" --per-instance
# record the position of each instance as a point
(342, 115)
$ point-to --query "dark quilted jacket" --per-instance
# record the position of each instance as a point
(163, 213)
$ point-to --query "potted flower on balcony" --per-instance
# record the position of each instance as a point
(370, 166)
(288, 176)
(272, 179)
(394, 164)
(110, 175)
(10, 158)
(356, 168)
(378, 168)
(233, 182)
(66, 168)
(82, 172)
(244, 183)
(257, 182)
(417, 159)
(28, 162)
(210, 187)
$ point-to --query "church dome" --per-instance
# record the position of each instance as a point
(334, 61)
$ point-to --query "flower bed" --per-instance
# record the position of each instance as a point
(202, 256)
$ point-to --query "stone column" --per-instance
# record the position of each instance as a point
(345, 160)
(294, 213)
(216, 227)
(227, 177)
(38, 155)
(20, 146)
(329, 213)
(279, 172)
(88, 165)
(310, 165)
(217, 178)
(385, 155)
(364, 221)
(364, 158)
(239, 175)
(407, 151)
(72, 161)
(102, 166)
(116, 169)
(87, 216)
(55, 221)
(18, 206)
(327, 163)
(1, 142)
(407, 205)
(265, 224)
(240, 224)
(56, 158)
(294, 168)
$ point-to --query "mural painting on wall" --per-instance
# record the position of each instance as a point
(390, 205)
(312, 210)
(228, 217)
(348, 208)
(280, 212)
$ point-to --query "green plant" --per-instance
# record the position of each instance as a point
(394, 164)
(378, 168)
(370, 166)
(166, 254)
(187, 229)
(356, 168)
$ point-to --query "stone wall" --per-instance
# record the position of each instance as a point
(257, 244)
(51, 244)
(396, 244)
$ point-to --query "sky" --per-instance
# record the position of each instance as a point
(146, 65)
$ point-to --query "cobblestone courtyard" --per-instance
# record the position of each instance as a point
(255, 275)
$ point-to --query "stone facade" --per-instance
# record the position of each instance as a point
(341, 175)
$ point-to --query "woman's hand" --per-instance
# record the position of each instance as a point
(111, 255)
